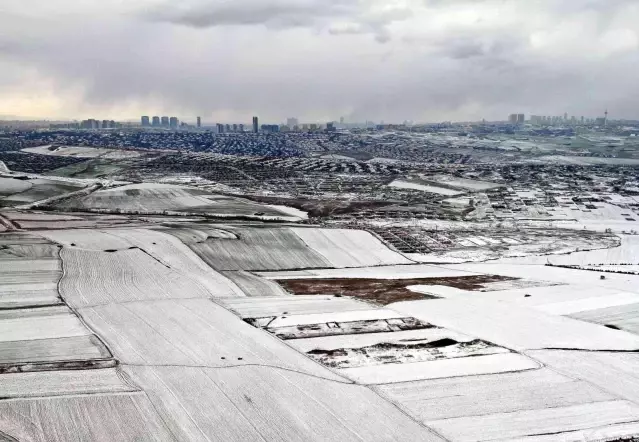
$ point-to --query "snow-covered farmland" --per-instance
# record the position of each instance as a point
(190, 332)
(82, 152)
(33, 190)
(64, 383)
(153, 198)
(290, 305)
(255, 286)
(402, 184)
(9, 186)
(439, 368)
(349, 248)
(521, 424)
(29, 271)
(259, 249)
(263, 403)
(182, 266)
(491, 394)
(96, 417)
(385, 272)
(516, 327)
(140, 277)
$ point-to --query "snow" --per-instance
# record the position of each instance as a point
(41, 323)
(261, 403)
(290, 211)
(62, 383)
(82, 152)
(159, 198)
(9, 186)
(349, 248)
(334, 316)
(516, 327)
(587, 304)
(259, 249)
(125, 417)
(614, 372)
(52, 350)
(485, 395)
(369, 339)
(255, 286)
(192, 332)
(290, 305)
(140, 277)
(400, 184)
(386, 272)
(442, 368)
(521, 424)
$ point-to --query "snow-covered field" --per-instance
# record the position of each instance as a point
(385, 272)
(82, 152)
(349, 248)
(401, 184)
(155, 198)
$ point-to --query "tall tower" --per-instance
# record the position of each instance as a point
(606, 118)
(199, 121)
(255, 125)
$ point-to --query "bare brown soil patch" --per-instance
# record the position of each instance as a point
(384, 291)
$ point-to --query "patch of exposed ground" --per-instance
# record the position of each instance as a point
(340, 328)
(390, 353)
(384, 291)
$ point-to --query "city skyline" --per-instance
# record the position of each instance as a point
(376, 60)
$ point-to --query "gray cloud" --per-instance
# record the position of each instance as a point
(319, 59)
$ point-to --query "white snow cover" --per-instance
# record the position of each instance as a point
(256, 403)
(401, 184)
(290, 305)
(335, 316)
(349, 248)
(82, 152)
(516, 327)
(521, 424)
(166, 257)
(442, 368)
(61, 383)
(385, 272)
(191, 332)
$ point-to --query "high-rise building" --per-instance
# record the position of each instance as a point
(145, 121)
(199, 121)
(165, 121)
(565, 116)
(106, 124)
(173, 123)
(291, 122)
(156, 121)
(235, 128)
(220, 128)
(341, 120)
(512, 118)
(582, 119)
(241, 128)
(521, 118)
(255, 125)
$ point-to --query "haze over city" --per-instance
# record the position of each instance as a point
(419, 60)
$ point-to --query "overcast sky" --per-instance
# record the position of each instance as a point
(226, 60)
